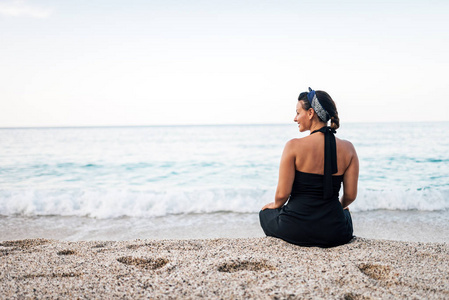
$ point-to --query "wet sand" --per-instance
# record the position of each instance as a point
(383, 224)
(223, 268)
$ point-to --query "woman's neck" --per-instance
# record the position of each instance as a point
(316, 126)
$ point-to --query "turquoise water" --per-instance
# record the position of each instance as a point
(191, 175)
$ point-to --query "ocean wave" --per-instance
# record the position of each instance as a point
(104, 204)
(118, 203)
(411, 199)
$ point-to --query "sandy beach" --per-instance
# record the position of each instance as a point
(223, 268)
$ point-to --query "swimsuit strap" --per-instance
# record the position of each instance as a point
(330, 159)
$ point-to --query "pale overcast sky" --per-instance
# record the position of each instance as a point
(99, 63)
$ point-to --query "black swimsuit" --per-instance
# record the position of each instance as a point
(313, 215)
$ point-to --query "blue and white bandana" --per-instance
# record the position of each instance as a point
(316, 105)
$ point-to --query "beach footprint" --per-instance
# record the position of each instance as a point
(100, 245)
(241, 265)
(355, 296)
(24, 244)
(66, 252)
(170, 246)
(375, 271)
(53, 275)
(20, 245)
(144, 263)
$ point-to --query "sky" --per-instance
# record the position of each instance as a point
(114, 63)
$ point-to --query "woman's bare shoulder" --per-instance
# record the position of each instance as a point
(292, 144)
(297, 145)
(297, 142)
(347, 146)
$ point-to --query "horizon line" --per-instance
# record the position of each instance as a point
(202, 125)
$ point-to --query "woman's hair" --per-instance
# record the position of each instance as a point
(326, 102)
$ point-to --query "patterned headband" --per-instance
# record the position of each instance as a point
(316, 105)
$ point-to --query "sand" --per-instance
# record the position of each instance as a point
(223, 268)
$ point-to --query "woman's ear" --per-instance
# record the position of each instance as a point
(310, 113)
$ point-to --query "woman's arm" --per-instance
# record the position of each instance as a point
(350, 180)
(286, 177)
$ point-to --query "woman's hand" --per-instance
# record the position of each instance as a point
(269, 205)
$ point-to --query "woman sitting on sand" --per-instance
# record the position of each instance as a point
(310, 176)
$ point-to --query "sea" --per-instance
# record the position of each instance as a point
(208, 181)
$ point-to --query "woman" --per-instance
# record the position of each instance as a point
(310, 175)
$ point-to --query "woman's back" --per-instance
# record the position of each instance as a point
(309, 154)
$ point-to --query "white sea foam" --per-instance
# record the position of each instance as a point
(423, 200)
(105, 204)
(117, 203)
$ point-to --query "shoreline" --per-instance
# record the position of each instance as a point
(261, 267)
(389, 225)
